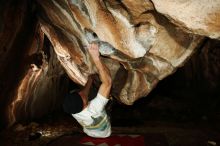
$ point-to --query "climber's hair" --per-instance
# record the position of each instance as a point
(73, 103)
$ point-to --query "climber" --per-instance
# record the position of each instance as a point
(91, 114)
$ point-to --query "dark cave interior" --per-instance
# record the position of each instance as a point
(184, 107)
(182, 110)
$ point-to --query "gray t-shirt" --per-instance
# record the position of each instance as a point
(93, 118)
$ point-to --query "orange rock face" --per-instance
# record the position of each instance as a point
(196, 16)
(141, 42)
(147, 47)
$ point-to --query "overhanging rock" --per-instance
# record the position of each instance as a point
(148, 47)
(196, 16)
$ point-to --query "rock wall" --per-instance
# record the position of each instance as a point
(144, 42)
(148, 47)
(32, 81)
(196, 16)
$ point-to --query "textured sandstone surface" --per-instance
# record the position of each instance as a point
(32, 81)
(147, 46)
(143, 42)
(197, 16)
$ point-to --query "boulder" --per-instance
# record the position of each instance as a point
(200, 17)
